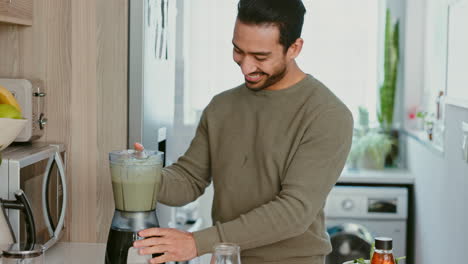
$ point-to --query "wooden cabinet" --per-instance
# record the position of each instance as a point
(16, 11)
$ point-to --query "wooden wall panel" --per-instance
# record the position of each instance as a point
(79, 50)
(10, 52)
(83, 126)
(112, 39)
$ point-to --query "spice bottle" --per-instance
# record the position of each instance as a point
(383, 253)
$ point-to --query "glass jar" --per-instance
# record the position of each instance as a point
(383, 253)
(226, 253)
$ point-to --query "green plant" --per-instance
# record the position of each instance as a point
(373, 145)
(397, 260)
(388, 87)
(363, 261)
(360, 261)
(421, 115)
(428, 122)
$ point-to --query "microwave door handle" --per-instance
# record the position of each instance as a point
(45, 197)
(54, 233)
(61, 168)
(30, 225)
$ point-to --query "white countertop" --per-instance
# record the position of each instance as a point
(74, 253)
(88, 253)
(386, 176)
(71, 253)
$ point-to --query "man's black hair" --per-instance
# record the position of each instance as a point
(287, 15)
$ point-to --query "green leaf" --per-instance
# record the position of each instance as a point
(398, 259)
(359, 261)
(387, 89)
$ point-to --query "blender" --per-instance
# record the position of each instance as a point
(136, 177)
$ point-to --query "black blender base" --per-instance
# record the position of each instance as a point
(118, 244)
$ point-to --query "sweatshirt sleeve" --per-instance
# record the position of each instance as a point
(311, 174)
(185, 180)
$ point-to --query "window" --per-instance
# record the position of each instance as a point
(342, 49)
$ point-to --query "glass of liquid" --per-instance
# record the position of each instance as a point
(226, 253)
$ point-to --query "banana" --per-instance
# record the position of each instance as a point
(6, 97)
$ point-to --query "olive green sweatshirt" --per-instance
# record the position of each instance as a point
(273, 157)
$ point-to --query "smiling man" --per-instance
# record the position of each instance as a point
(273, 148)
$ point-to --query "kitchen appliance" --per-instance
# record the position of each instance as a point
(355, 215)
(30, 96)
(38, 170)
(12, 250)
(136, 177)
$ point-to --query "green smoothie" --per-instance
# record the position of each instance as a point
(135, 182)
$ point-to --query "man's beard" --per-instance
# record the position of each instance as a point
(270, 80)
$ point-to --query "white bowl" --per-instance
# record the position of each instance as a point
(9, 130)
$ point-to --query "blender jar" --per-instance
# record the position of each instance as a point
(136, 177)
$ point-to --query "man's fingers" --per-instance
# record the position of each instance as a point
(154, 250)
(151, 241)
(153, 232)
(161, 259)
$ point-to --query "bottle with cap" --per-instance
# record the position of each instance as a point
(383, 253)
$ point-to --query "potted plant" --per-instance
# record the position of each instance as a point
(370, 150)
(387, 89)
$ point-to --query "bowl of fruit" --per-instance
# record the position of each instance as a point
(11, 120)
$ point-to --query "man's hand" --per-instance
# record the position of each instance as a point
(176, 245)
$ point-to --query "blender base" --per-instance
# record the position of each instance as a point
(118, 244)
(124, 231)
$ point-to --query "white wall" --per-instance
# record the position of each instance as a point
(441, 211)
(441, 208)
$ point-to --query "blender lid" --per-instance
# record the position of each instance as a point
(152, 156)
(22, 250)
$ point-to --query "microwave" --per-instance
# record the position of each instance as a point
(39, 171)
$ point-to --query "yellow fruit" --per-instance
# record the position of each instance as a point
(9, 111)
(6, 97)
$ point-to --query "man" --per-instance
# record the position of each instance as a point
(273, 147)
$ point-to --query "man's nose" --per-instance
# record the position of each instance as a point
(247, 66)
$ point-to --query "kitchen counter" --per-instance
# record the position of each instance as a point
(75, 253)
(72, 253)
(381, 177)
(84, 253)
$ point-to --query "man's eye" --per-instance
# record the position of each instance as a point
(237, 51)
(261, 58)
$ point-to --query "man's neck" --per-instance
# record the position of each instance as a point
(292, 77)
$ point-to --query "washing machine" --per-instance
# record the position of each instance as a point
(355, 215)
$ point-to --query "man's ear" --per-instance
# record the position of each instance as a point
(295, 49)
